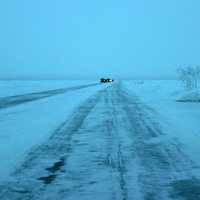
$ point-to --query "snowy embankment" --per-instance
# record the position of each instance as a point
(11, 88)
(190, 96)
(26, 125)
(178, 119)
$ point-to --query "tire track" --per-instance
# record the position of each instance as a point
(44, 163)
(110, 149)
(164, 164)
(115, 159)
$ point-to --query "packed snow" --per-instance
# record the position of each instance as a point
(125, 140)
(178, 118)
(26, 125)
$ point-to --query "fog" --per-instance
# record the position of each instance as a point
(89, 39)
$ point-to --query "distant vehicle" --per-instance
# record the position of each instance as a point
(106, 80)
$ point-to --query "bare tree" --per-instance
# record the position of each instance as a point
(197, 69)
(184, 77)
(189, 76)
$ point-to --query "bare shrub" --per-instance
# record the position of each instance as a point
(189, 76)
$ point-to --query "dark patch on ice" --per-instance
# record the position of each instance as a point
(56, 166)
(188, 189)
(92, 182)
(53, 169)
(48, 179)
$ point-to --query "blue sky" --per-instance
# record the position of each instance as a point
(87, 38)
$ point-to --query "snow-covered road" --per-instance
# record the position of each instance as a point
(111, 148)
(10, 101)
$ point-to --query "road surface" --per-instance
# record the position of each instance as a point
(11, 101)
(110, 149)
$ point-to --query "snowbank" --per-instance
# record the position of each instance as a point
(189, 96)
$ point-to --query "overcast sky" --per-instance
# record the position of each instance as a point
(91, 38)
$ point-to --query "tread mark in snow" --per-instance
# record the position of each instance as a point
(118, 145)
(60, 143)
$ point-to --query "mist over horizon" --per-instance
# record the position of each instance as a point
(81, 40)
(60, 77)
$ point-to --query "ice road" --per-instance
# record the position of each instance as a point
(111, 148)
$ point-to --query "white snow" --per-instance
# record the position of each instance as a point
(178, 119)
(23, 126)
(190, 96)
